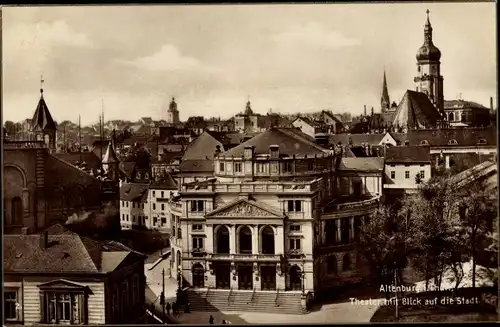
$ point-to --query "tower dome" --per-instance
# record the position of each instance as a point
(428, 51)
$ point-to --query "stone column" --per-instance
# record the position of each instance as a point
(256, 276)
(351, 234)
(279, 240)
(447, 162)
(209, 240)
(323, 232)
(338, 227)
(232, 239)
(234, 276)
(255, 239)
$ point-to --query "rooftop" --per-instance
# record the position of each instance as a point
(407, 154)
(362, 164)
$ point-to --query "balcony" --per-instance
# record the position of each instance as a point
(244, 257)
(257, 187)
(295, 214)
(176, 207)
(349, 206)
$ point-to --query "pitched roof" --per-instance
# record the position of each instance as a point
(110, 155)
(133, 191)
(42, 119)
(288, 139)
(407, 154)
(167, 182)
(416, 111)
(198, 166)
(202, 147)
(308, 121)
(452, 104)
(90, 158)
(463, 136)
(362, 164)
(357, 139)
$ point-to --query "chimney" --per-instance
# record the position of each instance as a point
(491, 103)
(44, 240)
(365, 111)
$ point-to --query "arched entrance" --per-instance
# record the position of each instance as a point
(268, 277)
(222, 240)
(198, 276)
(245, 240)
(295, 278)
(222, 275)
(16, 211)
(267, 240)
(245, 276)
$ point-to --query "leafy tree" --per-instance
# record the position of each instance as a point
(9, 127)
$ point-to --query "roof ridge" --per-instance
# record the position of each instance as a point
(300, 138)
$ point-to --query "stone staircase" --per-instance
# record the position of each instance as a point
(254, 301)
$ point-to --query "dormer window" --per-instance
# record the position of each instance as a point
(287, 166)
(424, 142)
(452, 142)
(221, 166)
(482, 142)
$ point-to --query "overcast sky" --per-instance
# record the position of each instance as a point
(291, 58)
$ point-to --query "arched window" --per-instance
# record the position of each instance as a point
(295, 278)
(451, 117)
(424, 142)
(267, 237)
(245, 240)
(346, 262)
(198, 275)
(331, 265)
(16, 211)
(452, 142)
(222, 242)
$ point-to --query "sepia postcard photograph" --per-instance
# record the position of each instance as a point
(249, 163)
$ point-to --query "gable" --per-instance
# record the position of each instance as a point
(388, 139)
(62, 284)
(244, 209)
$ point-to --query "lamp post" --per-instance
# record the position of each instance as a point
(303, 277)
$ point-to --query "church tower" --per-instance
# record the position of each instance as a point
(43, 127)
(429, 79)
(385, 102)
(173, 113)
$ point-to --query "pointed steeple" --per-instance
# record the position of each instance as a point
(110, 156)
(173, 105)
(42, 119)
(384, 100)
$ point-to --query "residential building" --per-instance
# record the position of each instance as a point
(462, 113)
(406, 167)
(66, 279)
(309, 126)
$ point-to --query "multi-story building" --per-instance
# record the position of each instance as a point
(462, 113)
(406, 167)
(255, 226)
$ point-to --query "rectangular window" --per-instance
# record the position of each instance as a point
(154, 194)
(162, 194)
(128, 218)
(294, 205)
(393, 174)
(310, 165)
(287, 166)
(127, 204)
(407, 174)
(63, 308)
(221, 166)
(197, 227)
(422, 174)
(197, 205)
(133, 218)
(294, 228)
(407, 165)
(179, 233)
(163, 221)
(162, 207)
(393, 165)
(295, 244)
(133, 205)
(237, 167)
(155, 220)
(123, 216)
(10, 305)
(154, 206)
(197, 242)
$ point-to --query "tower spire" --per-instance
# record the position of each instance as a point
(384, 100)
(428, 29)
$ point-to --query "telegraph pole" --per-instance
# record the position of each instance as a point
(162, 300)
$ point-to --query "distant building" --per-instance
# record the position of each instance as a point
(462, 113)
(173, 113)
(249, 122)
(403, 164)
(67, 279)
(416, 111)
(309, 126)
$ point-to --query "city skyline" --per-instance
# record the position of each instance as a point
(291, 58)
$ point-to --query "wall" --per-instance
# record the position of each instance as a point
(400, 181)
(304, 127)
(31, 307)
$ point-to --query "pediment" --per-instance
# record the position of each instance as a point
(245, 209)
(62, 284)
